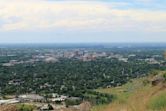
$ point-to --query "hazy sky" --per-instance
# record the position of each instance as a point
(75, 21)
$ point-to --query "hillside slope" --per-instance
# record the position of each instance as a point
(136, 95)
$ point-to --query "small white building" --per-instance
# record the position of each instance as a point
(31, 97)
(59, 99)
(9, 101)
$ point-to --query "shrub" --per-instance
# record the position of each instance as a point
(164, 76)
(23, 107)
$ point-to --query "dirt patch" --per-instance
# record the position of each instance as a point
(162, 87)
(8, 108)
(85, 106)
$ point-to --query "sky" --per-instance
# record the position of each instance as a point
(82, 21)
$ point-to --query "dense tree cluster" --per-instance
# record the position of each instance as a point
(70, 77)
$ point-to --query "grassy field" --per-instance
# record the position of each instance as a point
(158, 102)
(136, 95)
(25, 107)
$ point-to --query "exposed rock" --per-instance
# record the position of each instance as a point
(157, 80)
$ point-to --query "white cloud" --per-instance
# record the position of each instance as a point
(43, 15)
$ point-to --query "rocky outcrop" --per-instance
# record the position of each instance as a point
(157, 80)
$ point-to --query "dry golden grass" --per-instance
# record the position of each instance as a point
(133, 96)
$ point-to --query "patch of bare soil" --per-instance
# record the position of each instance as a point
(85, 106)
(8, 108)
(161, 88)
